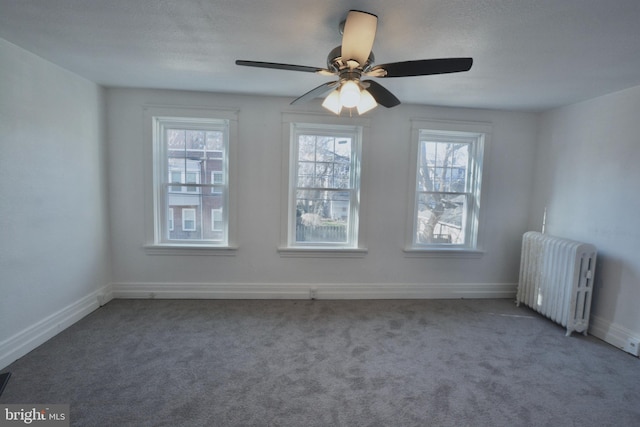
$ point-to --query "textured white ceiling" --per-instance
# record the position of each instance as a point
(528, 54)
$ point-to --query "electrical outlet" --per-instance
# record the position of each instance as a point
(313, 293)
(633, 346)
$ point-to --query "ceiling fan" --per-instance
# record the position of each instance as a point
(353, 60)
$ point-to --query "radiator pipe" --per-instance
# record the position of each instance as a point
(544, 220)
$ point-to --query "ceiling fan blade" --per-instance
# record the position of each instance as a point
(315, 92)
(359, 33)
(290, 67)
(381, 95)
(423, 67)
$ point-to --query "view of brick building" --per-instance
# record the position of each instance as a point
(195, 196)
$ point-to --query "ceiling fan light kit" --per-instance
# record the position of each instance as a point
(354, 59)
(334, 102)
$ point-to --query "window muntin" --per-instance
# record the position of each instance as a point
(447, 189)
(191, 170)
(324, 186)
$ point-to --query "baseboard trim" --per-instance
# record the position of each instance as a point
(314, 290)
(610, 332)
(31, 337)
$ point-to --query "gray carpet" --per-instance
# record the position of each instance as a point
(327, 363)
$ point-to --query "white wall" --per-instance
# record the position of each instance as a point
(54, 244)
(385, 182)
(587, 175)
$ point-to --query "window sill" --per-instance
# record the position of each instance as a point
(287, 252)
(442, 253)
(156, 249)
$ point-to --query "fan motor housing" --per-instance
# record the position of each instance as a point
(337, 63)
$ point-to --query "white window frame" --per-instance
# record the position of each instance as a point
(294, 124)
(477, 135)
(157, 179)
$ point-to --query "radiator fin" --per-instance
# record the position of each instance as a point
(556, 279)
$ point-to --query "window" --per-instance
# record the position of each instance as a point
(216, 220)
(191, 181)
(188, 219)
(447, 174)
(324, 186)
(192, 178)
(176, 177)
(217, 177)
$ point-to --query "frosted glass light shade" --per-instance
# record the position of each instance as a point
(350, 94)
(332, 102)
(367, 102)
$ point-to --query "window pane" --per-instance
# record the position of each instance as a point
(342, 175)
(306, 174)
(324, 162)
(324, 149)
(322, 216)
(215, 141)
(307, 148)
(440, 218)
(192, 215)
(343, 150)
(324, 175)
(195, 139)
(175, 139)
(442, 166)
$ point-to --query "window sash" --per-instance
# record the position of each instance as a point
(310, 230)
(190, 189)
(446, 205)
